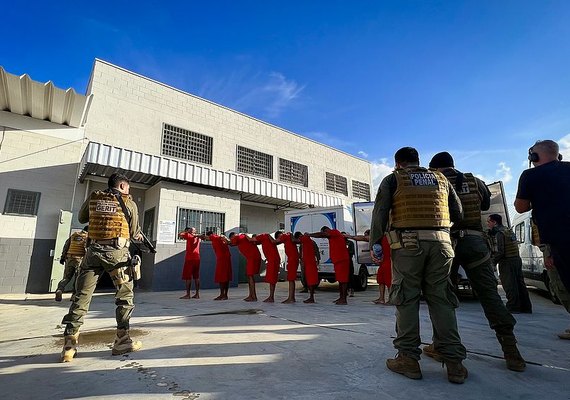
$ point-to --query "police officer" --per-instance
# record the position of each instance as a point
(506, 254)
(71, 256)
(113, 221)
(415, 207)
(472, 253)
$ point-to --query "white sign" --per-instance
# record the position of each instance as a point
(166, 232)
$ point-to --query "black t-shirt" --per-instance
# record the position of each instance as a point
(547, 187)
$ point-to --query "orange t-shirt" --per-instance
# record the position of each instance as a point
(192, 246)
(337, 246)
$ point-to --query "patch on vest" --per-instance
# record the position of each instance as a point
(464, 189)
(423, 179)
(104, 206)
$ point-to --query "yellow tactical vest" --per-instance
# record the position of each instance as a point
(77, 244)
(511, 244)
(106, 217)
(420, 200)
(470, 200)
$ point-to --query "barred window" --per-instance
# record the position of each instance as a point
(187, 145)
(22, 202)
(254, 162)
(293, 172)
(336, 183)
(361, 190)
(203, 221)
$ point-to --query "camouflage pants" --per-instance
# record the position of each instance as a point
(510, 270)
(425, 270)
(71, 268)
(98, 260)
(472, 252)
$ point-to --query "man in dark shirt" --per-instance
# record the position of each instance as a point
(545, 190)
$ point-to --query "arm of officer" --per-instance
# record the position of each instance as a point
(484, 193)
(455, 207)
(381, 211)
(65, 249)
(134, 227)
(522, 199)
(83, 215)
(500, 253)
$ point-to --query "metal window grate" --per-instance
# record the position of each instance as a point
(293, 172)
(22, 202)
(336, 183)
(254, 162)
(185, 144)
(203, 221)
(361, 190)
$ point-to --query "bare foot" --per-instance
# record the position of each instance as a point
(185, 297)
(249, 298)
(309, 301)
(340, 302)
(379, 301)
(224, 298)
(219, 297)
(196, 296)
(336, 301)
(288, 301)
(269, 300)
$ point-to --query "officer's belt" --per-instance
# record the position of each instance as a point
(117, 242)
(433, 235)
(466, 232)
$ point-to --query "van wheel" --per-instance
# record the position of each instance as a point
(360, 281)
(551, 292)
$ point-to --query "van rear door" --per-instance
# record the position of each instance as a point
(362, 212)
(498, 204)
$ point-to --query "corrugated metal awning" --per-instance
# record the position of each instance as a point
(103, 160)
(21, 95)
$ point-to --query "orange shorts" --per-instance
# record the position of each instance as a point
(191, 269)
(272, 272)
(342, 271)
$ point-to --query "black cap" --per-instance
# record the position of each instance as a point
(442, 160)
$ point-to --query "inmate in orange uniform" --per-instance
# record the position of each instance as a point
(292, 255)
(309, 260)
(384, 275)
(191, 268)
(250, 252)
(223, 272)
(339, 255)
(272, 257)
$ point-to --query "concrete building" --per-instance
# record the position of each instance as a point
(191, 162)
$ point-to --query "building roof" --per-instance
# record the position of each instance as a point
(24, 96)
(103, 160)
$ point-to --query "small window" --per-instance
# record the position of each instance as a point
(293, 172)
(148, 223)
(254, 162)
(203, 221)
(361, 190)
(187, 145)
(519, 232)
(22, 202)
(336, 183)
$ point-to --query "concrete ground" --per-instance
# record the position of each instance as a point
(204, 349)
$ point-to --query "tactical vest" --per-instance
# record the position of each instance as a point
(511, 244)
(470, 200)
(420, 200)
(77, 244)
(106, 217)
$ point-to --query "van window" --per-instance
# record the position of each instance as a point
(519, 232)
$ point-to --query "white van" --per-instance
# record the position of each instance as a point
(341, 218)
(533, 268)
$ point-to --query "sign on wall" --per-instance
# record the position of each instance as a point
(166, 232)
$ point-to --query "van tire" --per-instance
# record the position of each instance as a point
(360, 281)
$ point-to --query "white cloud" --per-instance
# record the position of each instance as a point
(379, 170)
(503, 173)
(564, 144)
(363, 154)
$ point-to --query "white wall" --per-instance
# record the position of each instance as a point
(261, 219)
(129, 110)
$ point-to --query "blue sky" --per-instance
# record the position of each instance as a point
(480, 79)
